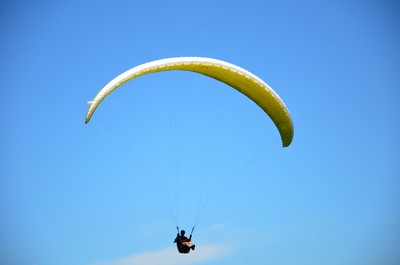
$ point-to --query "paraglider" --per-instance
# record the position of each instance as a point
(234, 76)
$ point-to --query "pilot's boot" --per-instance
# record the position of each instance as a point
(192, 247)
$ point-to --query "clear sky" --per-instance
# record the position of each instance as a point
(167, 148)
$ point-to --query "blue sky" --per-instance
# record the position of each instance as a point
(165, 146)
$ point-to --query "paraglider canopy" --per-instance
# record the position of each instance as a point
(240, 79)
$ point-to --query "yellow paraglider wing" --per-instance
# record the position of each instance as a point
(232, 75)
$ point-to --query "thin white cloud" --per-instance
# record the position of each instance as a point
(170, 256)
